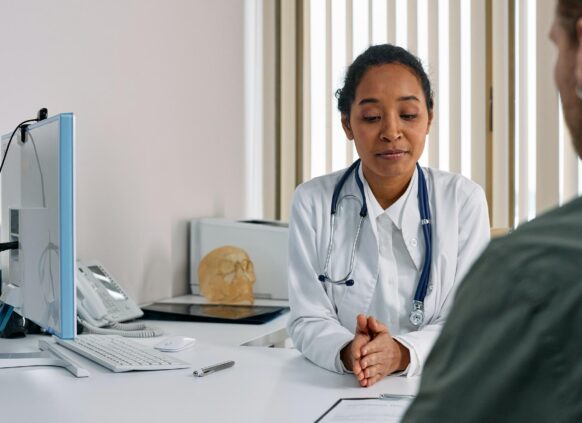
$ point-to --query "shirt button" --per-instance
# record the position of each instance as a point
(413, 242)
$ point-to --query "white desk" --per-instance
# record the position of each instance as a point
(265, 385)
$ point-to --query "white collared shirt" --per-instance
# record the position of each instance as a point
(398, 275)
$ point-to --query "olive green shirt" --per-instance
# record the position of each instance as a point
(511, 349)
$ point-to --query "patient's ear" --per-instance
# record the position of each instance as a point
(347, 127)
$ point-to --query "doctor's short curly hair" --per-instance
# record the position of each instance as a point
(377, 55)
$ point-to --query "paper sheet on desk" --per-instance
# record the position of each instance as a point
(386, 410)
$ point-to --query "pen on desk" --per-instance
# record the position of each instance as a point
(395, 396)
(214, 368)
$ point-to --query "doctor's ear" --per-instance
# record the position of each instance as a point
(430, 116)
(347, 127)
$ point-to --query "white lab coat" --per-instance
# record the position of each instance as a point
(323, 316)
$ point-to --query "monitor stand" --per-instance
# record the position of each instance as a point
(50, 354)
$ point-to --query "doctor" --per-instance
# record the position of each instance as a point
(385, 238)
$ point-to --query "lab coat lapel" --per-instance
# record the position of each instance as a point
(410, 224)
(358, 297)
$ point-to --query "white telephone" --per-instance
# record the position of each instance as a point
(102, 303)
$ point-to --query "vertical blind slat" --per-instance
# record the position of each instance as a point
(455, 109)
(547, 175)
(444, 77)
(422, 53)
(412, 26)
(500, 153)
(370, 22)
(523, 134)
(328, 82)
(478, 94)
(287, 156)
(338, 61)
(433, 73)
(349, 59)
(391, 21)
(306, 136)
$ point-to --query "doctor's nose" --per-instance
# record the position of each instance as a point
(390, 130)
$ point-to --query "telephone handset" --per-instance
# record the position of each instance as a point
(102, 304)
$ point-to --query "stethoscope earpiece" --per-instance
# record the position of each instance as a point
(349, 282)
(321, 278)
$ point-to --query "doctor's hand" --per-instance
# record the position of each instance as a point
(383, 355)
(352, 353)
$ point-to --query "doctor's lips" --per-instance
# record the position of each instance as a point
(391, 154)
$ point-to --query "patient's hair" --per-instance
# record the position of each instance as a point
(569, 11)
(381, 54)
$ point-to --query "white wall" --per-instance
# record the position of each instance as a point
(157, 89)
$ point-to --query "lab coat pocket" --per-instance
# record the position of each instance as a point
(441, 289)
(433, 294)
(430, 301)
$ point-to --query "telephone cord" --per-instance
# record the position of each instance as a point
(126, 326)
(147, 332)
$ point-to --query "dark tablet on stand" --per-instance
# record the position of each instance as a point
(217, 313)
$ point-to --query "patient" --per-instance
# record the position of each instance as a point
(511, 347)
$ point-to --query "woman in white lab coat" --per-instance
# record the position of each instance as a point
(352, 300)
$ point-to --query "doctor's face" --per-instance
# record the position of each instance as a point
(389, 121)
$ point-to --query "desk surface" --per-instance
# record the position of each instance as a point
(233, 334)
(266, 384)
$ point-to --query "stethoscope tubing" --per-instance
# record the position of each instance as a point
(425, 220)
(324, 277)
(346, 279)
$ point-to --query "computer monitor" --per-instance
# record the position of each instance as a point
(38, 211)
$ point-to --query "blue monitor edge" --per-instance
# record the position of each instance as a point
(38, 210)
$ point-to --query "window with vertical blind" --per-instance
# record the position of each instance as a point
(449, 38)
(497, 114)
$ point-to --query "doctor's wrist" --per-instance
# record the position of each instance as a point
(404, 359)
(346, 357)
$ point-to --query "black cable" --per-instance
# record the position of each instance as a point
(41, 115)
(39, 170)
(12, 245)
(10, 140)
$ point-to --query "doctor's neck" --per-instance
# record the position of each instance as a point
(387, 189)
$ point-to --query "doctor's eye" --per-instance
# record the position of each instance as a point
(371, 118)
(408, 116)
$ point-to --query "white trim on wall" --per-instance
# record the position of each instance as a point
(253, 113)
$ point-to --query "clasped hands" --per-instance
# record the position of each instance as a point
(373, 353)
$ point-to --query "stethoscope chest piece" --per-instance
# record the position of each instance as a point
(417, 314)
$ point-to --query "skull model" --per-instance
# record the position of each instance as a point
(226, 275)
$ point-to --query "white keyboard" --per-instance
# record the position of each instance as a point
(121, 355)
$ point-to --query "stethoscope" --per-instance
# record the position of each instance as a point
(417, 313)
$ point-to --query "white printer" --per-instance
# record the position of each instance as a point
(264, 241)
